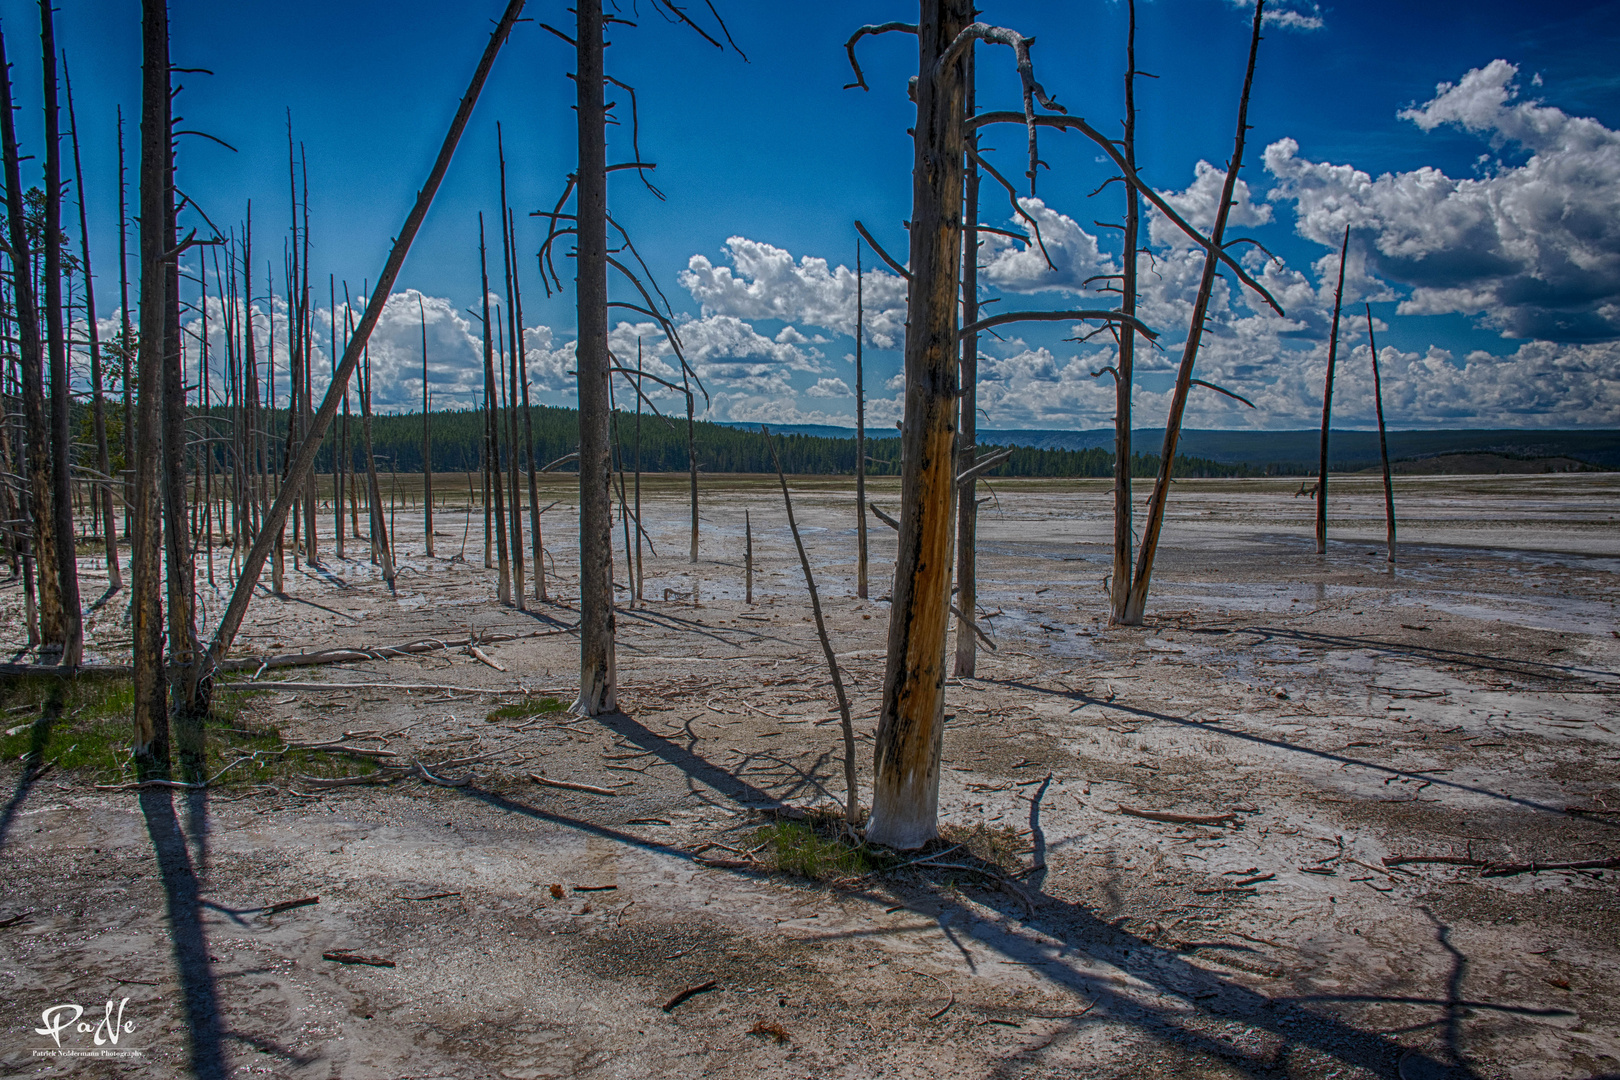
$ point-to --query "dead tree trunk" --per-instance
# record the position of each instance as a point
(151, 716)
(1136, 603)
(967, 511)
(184, 649)
(513, 330)
(1327, 404)
(852, 795)
(691, 465)
(304, 463)
(528, 419)
(427, 440)
(860, 432)
(30, 360)
(1383, 444)
(103, 489)
(67, 560)
(492, 434)
(126, 342)
(905, 799)
(381, 542)
(598, 677)
(1125, 369)
(748, 559)
(640, 578)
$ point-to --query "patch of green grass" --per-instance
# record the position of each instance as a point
(799, 847)
(83, 725)
(522, 710)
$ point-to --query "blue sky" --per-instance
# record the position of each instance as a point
(1490, 248)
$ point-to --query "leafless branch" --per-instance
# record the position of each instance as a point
(1058, 316)
(1223, 390)
(878, 28)
(884, 255)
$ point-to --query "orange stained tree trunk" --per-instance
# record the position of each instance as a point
(910, 725)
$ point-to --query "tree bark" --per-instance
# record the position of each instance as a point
(184, 649)
(151, 716)
(598, 677)
(1383, 445)
(67, 556)
(905, 799)
(31, 362)
(1124, 370)
(967, 511)
(1136, 603)
(1327, 404)
(380, 540)
(513, 465)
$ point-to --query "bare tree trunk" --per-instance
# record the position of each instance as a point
(528, 419)
(151, 716)
(860, 432)
(184, 648)
(492, 435)
(126, 351)
(306, 422)
(748, 559)
(30, 360)
(905, 800)
(514, 478)
(1383, 445)
(1125, 369)
(598, 676)
(640, 571)
(1136, 603)
(967, 510)
(67, 556)
(691, 465)
(340, 445)
(231, 621)
(852, 794)
(115, 579)
(427, 440)
(1327, 404)
(380, 540)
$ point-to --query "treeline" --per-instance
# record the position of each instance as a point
(457, 438)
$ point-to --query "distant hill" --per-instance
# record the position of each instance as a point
(1296, 452)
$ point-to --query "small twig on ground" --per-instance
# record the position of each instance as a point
(944, 1008)
(430, 896)
(690, 991)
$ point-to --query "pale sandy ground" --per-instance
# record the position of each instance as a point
(1454, 706)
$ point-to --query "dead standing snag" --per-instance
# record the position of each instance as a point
(1327, 404)
(1213, 255)
(852, 799)
(911, 722)
(1383, 444)
(304, 463)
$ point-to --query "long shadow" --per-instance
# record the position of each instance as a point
(33, 761)
(182, 891)
(692, 764)
(1283, 744)
(1530, 669)
(1069, 930)
(674, 622)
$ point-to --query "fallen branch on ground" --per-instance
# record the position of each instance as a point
(288, 905)
(1179, 819)
(1503, 869)
(569, 785)
(340, 957)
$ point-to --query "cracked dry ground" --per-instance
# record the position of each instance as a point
(1341, 713)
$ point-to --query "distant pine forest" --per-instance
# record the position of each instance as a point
(458, 438)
